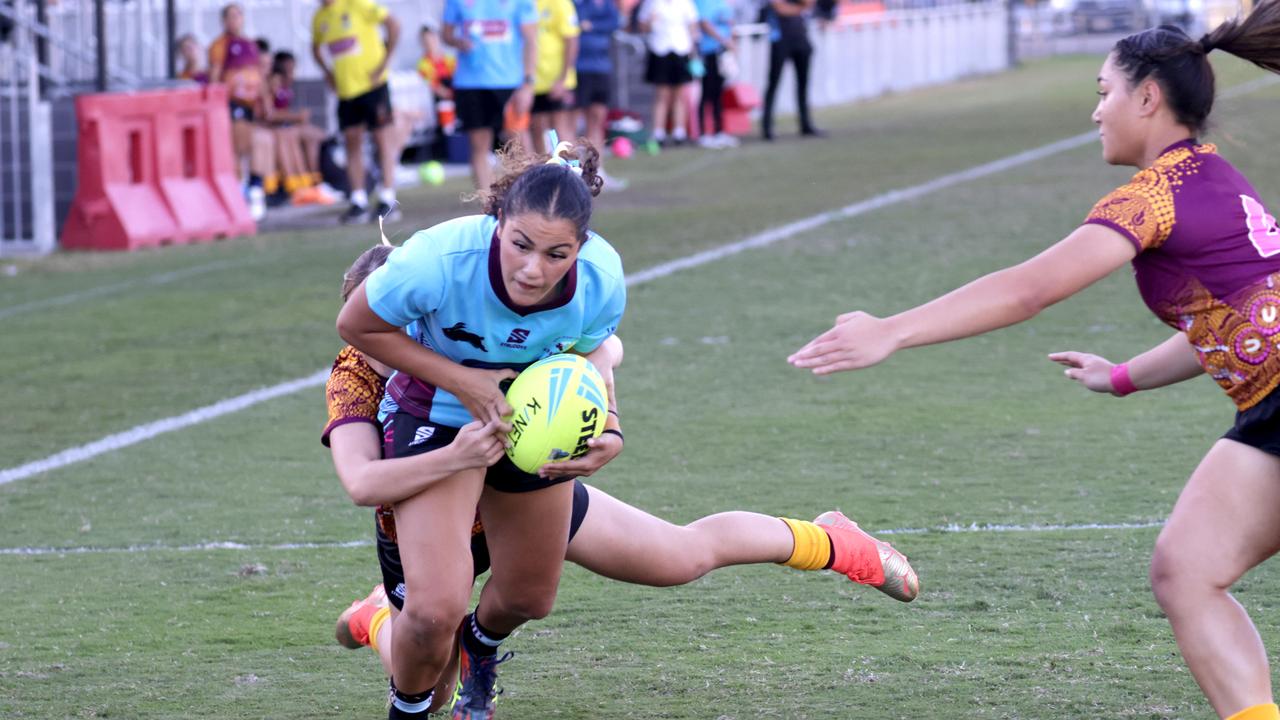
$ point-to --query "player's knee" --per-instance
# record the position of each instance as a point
(531, 604)
(427, 620)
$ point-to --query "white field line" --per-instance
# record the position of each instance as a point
(115, 442)
(208, 546)
(158, 279)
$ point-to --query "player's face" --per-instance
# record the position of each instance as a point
(1116, 116)
(535, 253)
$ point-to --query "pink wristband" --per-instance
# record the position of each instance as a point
(1121, 384)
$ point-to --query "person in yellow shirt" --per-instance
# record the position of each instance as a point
(357, 71)
(554, 77)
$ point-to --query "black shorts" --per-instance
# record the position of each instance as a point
(669, 69)
(241, 112)
(544, 103)
(389, 552)
(1259, 426)
(405, 435)
(594, 89)
(481, 108)
(372, 109)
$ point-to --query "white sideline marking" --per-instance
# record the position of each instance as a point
(115, 442)
(137, 434)
(200, 547)
(157, 279)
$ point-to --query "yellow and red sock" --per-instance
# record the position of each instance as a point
(1266, 711)
(375, 625)
(812, 549)
(360, 621)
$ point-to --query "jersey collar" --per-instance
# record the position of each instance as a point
(567, 287)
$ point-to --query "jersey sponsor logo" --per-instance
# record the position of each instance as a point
(488, 30)
(460, 333)
(516, 339)
(344, 46)
(422, 435)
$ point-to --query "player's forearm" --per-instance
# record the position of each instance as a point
(319, 58)
(570, 57)
(1170, 362)
(393, 35)
(994, 301)
(530, 53)
(381, 482)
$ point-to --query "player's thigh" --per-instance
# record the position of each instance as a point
(623, 542)
(1223, 523)
(527, 533)
(434, 533)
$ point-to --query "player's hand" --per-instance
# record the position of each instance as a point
(600, 451)
(858, 340)
(1090, 371)
(479, 444)
(557, 91)
(478, 391)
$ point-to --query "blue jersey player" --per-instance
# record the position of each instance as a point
(485, 296)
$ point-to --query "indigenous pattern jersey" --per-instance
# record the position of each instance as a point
(445, 285)
(349, 29)
(352, 394)
(241, 72)
(1208, 263)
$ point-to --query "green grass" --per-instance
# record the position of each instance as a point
(1054, 624)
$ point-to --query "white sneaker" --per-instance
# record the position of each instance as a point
(610, 182)
(710, 142)
(727, 141)
(257, 203)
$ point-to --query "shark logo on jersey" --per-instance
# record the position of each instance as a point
(460, 333)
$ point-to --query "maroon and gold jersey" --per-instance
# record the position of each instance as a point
(1208, 262)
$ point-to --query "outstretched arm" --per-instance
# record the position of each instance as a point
(370, 480)
(1172, 361)
(1005, 297)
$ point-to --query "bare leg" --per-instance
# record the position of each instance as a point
(527, 534)
(539, 124)
(565, 125)
(481, 141)
(354, 138)
(1222, 525)
(661, 108)
(434, 529)
(597, 115)
(387, 140)
(625, 543)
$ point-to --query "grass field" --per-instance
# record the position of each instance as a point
(1037, 622)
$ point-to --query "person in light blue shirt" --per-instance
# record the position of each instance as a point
(485, 296)
(496, 42)
(715, 18)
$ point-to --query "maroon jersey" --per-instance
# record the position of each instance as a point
(1208, 262)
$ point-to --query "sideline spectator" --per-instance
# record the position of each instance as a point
(297, 139)
(671, 29)
(233, 61)
(349, 30)
(436, 66)
(789, 41)
(598, 19)
(555, 76)
(717, 38)
(497, 44)
(189, 54)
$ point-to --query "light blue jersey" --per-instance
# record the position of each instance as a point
(720, 16)
(493, 27)
(445, 285)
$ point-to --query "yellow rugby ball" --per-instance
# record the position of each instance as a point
(558, 403)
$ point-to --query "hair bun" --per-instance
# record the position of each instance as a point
(1206, 44)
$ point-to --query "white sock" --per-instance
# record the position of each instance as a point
(387, 196)
(359, 198)
(679, 133)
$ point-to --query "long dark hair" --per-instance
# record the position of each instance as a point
(529, 184)
(1181, 65)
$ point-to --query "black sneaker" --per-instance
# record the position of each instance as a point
(356, 215)
(388, 213)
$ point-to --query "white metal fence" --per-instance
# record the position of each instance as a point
(26, 157)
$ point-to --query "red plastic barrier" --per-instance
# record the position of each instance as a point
(155, 167)
(739, 100)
